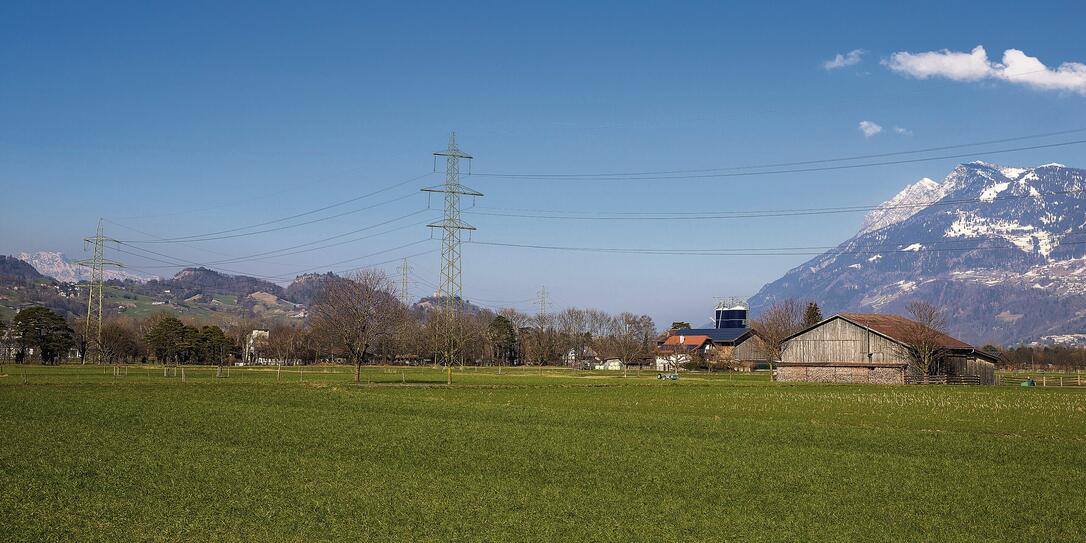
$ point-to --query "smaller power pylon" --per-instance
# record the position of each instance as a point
(542, 301)
(405, 294)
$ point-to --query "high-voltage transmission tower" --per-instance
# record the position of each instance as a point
(542, 302)
(405, 295)
(450, 288)
(93, 330)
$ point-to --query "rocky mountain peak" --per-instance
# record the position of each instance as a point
(1002, 247)
(54, 264)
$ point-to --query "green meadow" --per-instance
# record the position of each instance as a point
(552, 455)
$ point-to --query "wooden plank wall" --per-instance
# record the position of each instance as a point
(840, 341)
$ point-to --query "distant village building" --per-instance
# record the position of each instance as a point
(585, 356)
(256, 344)
(613, 364)
(874, 348)
(731, 338)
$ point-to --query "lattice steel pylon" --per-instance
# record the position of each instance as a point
(542, 302)
(405, 294)
(93, 327)
(450, 288)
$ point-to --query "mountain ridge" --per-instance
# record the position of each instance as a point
(1003, 248)
(54, 264)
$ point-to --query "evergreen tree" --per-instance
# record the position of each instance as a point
(45, 332)
(813, 315)
(504, 338)
(166, 339)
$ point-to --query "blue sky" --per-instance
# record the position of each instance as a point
(185, 118)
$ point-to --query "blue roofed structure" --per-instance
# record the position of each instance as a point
(725, 336)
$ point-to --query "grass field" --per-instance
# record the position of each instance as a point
(561, 456)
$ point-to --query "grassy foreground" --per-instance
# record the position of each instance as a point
(560, 456)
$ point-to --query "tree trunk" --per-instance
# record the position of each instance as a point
(358, 370)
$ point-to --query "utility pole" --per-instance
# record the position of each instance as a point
(405, 295)
(450, 288)
(93, 329)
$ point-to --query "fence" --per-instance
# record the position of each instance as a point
(1045, 379)
(942, 380)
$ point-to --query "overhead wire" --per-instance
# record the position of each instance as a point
(925, 246)
(785, 164)
(276, 229)
(723, 174)
(288, 251)
(695, 215)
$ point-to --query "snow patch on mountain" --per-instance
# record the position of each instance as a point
(990, 193)
(1013, 173)
(1026, 237)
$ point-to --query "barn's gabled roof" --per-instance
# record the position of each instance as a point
(897, 328)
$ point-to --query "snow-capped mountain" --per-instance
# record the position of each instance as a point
(906, 204)
(1003, 249)
(53, 264)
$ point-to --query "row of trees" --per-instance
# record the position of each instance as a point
(359, 318)
(1030, 357)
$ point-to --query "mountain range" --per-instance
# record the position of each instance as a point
(55, 265)
(1002, 249)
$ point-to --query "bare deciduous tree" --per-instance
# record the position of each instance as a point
(357, 316)
(722, 357)
(574, 327)
(923, 336)
(283, 342)
(629, 338)
(776, 323)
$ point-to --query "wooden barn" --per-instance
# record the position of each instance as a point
(874, 348)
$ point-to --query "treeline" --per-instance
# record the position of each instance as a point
(357, 320)
(1053, 357)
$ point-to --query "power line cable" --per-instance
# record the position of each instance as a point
(654, 177)
(776, 251)
(197, 247)
(220, 233)
(671, 215)
(790, 163)
(326, 266)
(389, 261)
(276, 229)
(297, 185)
(288, 251)
(177, 262)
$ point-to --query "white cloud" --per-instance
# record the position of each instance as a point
(869, 128)
(840, 61)
(903, 131)
(1017, 67)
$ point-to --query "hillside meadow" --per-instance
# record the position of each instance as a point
(534, 455)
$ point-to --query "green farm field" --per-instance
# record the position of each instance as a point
(529, 455)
